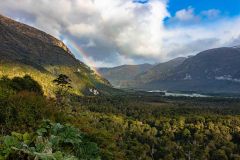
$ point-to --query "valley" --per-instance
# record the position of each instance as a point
(124, 126)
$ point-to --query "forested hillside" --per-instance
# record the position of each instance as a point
(117, 127)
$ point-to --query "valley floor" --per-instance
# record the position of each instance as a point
(134, 127)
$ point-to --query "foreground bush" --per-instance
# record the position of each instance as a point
(22, 104)
(52, 141)
(23, 111)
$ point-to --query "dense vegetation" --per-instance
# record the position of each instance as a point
(51, 141)
(122, 127)
(24, 132)
(82, 78)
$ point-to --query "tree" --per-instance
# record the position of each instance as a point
(63, 83)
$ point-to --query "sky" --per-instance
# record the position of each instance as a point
(107, 33)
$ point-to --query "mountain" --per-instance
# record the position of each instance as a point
(215, 70)
(132, 76)
(123, 76)
(211, 71)
(26, 50)
(159, 71)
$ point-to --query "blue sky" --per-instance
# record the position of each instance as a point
(117, 32)
(203, 11)
(227, 7)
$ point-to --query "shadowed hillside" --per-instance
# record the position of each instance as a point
(214, 70)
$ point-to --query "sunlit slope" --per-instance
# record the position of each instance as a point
(26, 50)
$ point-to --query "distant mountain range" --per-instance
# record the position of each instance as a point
(26, 50)
(122, 76)
(159, 71)
(211, 71)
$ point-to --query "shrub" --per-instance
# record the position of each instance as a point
(23, 111)
(26, 83)
(51, 141)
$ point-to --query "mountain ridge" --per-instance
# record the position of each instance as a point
(27, 50)
(212, 71)
(28, 30)
(159, 70)
(130, 76)
(215, 70)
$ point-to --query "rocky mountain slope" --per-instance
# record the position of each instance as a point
(26, 50)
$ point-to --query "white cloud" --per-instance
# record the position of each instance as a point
(187, 40)
(186, 14)
(82, 29)
(120, 60)
(133, 30)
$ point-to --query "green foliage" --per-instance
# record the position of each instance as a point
(19, 84)
(23, 111)
(122, 127)
(139, 128)
(22, 104)
(5, 89)
(63, 83)
(81, 76)
(26, 83)
(51, 141)
(5, 92)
